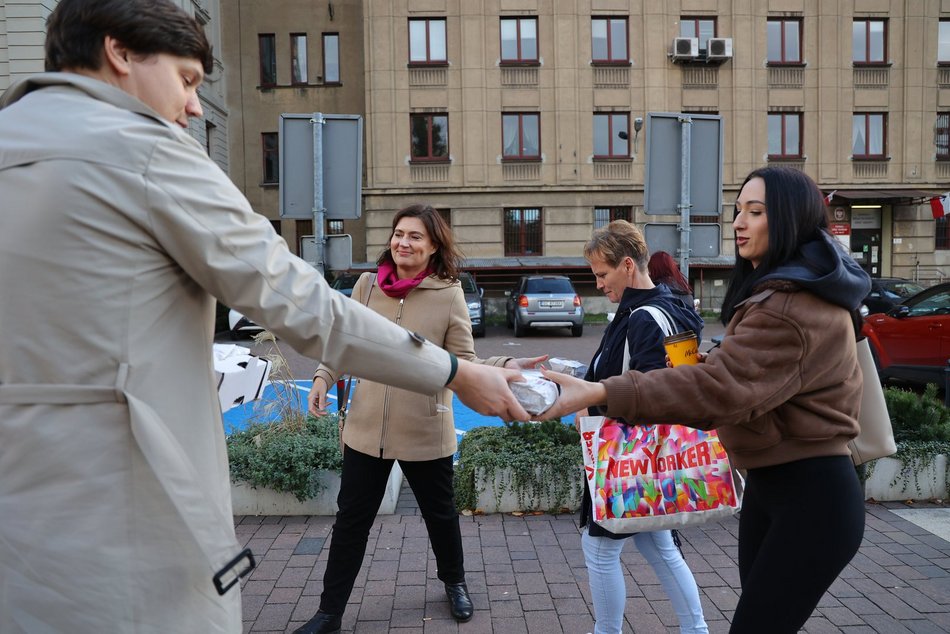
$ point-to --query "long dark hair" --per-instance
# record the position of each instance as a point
(796, 213)
(663, 270)
(445, 261)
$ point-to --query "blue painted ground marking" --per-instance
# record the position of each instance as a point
(237, 418)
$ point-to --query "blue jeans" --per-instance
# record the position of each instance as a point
(609, 592)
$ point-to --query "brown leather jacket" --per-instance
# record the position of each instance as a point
(388, 422)
(785, 384)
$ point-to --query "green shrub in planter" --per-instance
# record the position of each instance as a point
(545, 460)
(286, 456)
(921, 426)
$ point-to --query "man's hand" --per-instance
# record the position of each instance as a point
(485, 389)
(576, 394)
(318, 397)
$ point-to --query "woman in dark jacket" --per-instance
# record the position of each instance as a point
(618, 259)
(783, 389)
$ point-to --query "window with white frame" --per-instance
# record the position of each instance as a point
(869, 42)
(785, 135)
(611, 134)
(869, 135)
(943, 42)
(298, 58)
(784, 41)
(427, 41)
(609, 41)
(519, 40)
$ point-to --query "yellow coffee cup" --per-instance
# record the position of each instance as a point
(682, 348)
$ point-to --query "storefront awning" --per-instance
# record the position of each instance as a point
(889, 196)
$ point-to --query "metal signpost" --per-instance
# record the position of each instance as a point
(321, 177)
(683, 176)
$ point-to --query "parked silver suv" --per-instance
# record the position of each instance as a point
(544, 301)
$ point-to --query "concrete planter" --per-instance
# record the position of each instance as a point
(930, 480)
(247, 500)
(499, 495)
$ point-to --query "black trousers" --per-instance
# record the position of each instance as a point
(801, 523)
(362, 486)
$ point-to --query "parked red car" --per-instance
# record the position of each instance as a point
(911, 341)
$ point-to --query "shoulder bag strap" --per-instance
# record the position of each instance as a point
(662, 319)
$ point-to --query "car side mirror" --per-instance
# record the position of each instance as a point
(481, 292)
(899, 312)
(507, 293)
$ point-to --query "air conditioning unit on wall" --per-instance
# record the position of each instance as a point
(719, 48)
(685, 48)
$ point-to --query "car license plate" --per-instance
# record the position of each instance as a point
(550, 303)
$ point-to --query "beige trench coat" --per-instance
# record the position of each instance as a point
(116, 231)
(387, 422)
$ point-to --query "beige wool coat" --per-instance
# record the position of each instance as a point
(388, 422)
(116, 233)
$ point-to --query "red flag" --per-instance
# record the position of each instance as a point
(830, 196)
(940, 205)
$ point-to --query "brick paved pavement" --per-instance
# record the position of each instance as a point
(526, 575)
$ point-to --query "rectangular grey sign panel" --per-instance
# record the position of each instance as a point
(664, 162)
(704, 239)
(295, 170)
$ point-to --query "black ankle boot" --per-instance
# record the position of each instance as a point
(321, 623)
(460, 603)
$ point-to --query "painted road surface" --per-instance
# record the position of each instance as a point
(237, 418)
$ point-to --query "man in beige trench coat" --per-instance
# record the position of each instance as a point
(116, 234)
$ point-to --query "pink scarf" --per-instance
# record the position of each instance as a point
(390, 283)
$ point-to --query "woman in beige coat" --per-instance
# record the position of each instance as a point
(417, 287)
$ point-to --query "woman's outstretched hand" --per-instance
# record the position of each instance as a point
(576, 394)
(526, 363)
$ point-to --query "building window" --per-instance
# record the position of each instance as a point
(427, 41)
(523, 232)
(702, 28)
(943, 42)
(430, 137)
(275, 224)
(446, 215)
(268, 51)
(521, 135)
(519, 40)
(609, 41)
(869, 135)
(271, 160)
(604, 215)
(209, 137)
(869, 42)
(942, 236)
(331, 58)
(942, 135)
(298, 58)
(785, 135)
(611, 135)
(784, 41)
(334, 227)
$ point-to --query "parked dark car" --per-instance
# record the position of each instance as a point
(887, 292)
(911, 341)
(544, 301)
(344, 282)
(476, 305)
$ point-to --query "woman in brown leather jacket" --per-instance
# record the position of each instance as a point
(783, 390)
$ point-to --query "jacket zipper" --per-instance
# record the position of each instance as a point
(382, 430)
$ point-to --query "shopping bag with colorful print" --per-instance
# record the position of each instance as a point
(655, 477)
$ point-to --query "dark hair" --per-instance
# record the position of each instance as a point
(663, 269)
(445, 260)
(795, 209)
(617, 240)
(76, 29)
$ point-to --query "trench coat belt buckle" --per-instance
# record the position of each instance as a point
(66, 394)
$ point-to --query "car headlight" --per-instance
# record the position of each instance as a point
(474, 306)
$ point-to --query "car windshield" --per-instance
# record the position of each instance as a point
(549, 285)
(938, 304)
(901, 289)
(468, 283)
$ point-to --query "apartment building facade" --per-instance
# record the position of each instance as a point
(507, 115)
(288, 57)
(23, 31)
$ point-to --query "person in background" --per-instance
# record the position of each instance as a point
(618, 255)
(116, 234)
(783, 389)
(663, 270)
(416, 287)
